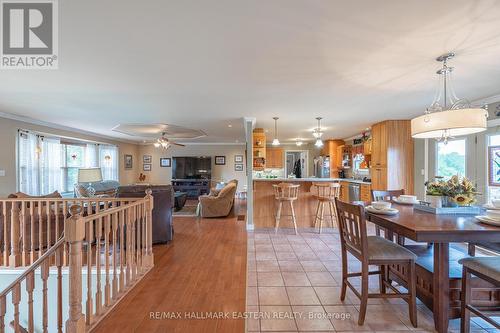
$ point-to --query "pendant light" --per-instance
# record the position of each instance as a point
(448, 116)
(298, 142)
(276, 142)
(317, 133)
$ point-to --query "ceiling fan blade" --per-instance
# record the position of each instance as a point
(177, 144)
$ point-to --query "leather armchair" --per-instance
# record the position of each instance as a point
(163, 203)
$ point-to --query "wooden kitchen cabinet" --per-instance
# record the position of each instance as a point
(344, 191)
(259, 149)
(330, 148)
(367, 147)
(392, 156)
(274, 158)
(365, 193)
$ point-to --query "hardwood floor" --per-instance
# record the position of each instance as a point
(202, 270)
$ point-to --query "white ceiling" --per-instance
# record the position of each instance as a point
(207, 64)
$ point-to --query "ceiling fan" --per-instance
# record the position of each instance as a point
(165, 143)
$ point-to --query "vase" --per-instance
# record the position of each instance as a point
(435, 201)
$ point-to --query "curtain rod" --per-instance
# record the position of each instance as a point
(44, 134)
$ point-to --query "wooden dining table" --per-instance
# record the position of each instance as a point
(440, 230)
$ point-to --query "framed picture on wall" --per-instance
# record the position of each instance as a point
(238, 167)
(238, 158)
(494, 166)
(147, 159)
(165, 162)
(127, 161)
(220, 160)
(146, 167)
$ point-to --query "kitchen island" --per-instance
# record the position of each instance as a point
(264, 207)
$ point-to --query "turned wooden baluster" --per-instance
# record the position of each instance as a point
(128, 249)
(45, 276)
(32, 232)
(74, 233)
(107, 290)
(40, 229)
(59, 264)
(121, 226)
(98, 294)
(15, 255)
(6, 244)
(3, 309)
(47, 209)
(114, 227)
(89, 238)
(22, 219)
(138, 239)
(149, 228)
(133, 248)
(16, 299)
(30, 286)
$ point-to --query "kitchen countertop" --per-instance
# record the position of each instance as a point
(312, 179)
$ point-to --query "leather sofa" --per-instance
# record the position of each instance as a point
(163, 203)
(218, 203)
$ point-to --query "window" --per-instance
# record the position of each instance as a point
(45, 164)
(493, 191)
(450, 158)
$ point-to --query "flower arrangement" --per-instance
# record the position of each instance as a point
(460, 190)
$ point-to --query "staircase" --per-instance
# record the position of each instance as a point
(76, 259)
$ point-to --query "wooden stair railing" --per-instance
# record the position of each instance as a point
(112, 247)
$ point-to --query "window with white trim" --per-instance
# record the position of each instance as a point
(48, 164)
(450, 158)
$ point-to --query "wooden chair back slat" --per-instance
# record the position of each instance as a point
(352, 228)
(286, 191)
(386, 195)
(326, 190)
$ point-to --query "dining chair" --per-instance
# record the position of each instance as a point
(285, 192)
(388, 195)
(485, 268)
(325, 193)
(373, 250)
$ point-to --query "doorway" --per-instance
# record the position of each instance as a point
(297, 163)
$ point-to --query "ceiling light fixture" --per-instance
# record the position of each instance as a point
(165, 143)
(317, 133)
(448, 116)
(298, 142)
(276, 142)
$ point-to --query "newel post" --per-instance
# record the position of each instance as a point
(74, 233)
(15, 237)
(149, 258)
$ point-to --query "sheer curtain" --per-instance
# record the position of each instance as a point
(28, 163)
(91, 155)
(51, 163)
(108, 161)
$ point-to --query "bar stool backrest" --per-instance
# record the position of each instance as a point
(386, 195)
(352, 229)
(327, 190)
(286, 191)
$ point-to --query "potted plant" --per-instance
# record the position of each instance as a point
(457, 191)
(435, 192)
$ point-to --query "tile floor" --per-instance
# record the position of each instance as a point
(293, 284)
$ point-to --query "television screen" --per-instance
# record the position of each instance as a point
(191, 167)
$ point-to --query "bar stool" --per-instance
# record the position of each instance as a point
(326, 193)
(286, 192)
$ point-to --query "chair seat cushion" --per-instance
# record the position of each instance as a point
(380, 248)
(489, 266)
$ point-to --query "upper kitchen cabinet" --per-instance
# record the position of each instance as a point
(330, 148)
(259, 149)
(274, 158)
(392, 156)
(367, 147)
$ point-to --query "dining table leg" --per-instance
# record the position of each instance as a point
(441, 287)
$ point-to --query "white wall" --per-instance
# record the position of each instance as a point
(161, 175)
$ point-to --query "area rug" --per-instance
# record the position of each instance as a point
(186, 211)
